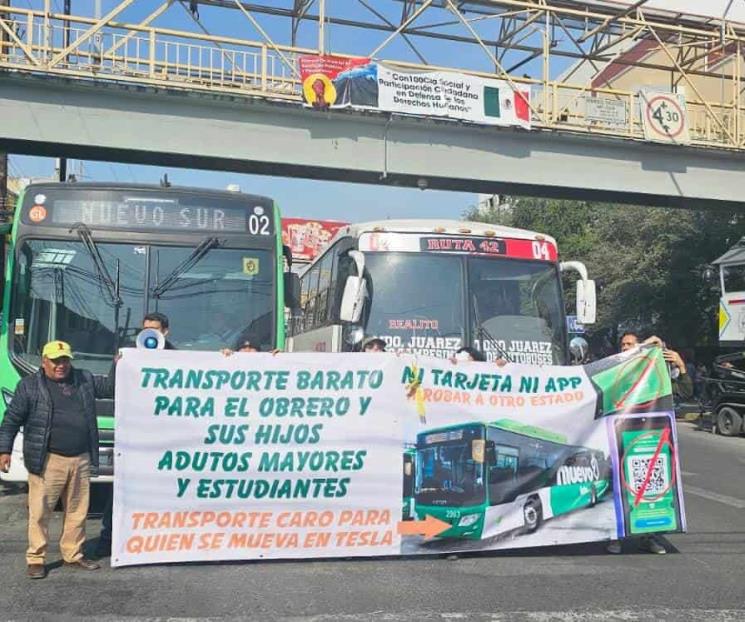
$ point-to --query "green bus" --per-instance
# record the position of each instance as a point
(84, 262)
(486, 479)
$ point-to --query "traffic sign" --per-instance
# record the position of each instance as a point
(573, 326)
(664, 117)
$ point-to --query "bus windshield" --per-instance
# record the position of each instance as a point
(446, 474)
(430, 304)
(416, 302)
(59, 293)
(516, 309)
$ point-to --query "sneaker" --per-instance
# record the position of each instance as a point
(614, 547)
(36, 571)
(651, 545)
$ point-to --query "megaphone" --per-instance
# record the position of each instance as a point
(150, 339)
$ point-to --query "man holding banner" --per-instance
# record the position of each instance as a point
(682, 387)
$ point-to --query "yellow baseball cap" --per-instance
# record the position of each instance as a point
(57, 349)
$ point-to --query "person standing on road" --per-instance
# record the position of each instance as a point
(681, 387)
(56, 408)
(155, 321)
(246, 345)
(375, 344)
(469, 354)
(679, 376)
(159, 322)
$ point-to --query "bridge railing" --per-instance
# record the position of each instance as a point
(78, 47)
(129, 52)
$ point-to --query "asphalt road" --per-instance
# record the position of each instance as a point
(703, 577)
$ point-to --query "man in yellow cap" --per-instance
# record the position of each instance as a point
(56, 409)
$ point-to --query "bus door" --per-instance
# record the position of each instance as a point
(503, 474)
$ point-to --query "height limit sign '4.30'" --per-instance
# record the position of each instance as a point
(664, 117)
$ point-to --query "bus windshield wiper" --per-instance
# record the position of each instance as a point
(481, 330)
(192, 260)
(112, 286)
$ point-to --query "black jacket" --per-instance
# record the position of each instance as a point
(683, 387)
(31, 409)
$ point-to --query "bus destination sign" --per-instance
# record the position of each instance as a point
(154, 214)
(444, 244)
(538, 249)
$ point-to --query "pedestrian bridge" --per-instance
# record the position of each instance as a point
(95, 88)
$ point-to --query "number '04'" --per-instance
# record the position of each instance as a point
(540, 250)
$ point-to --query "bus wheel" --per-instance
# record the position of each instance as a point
(729, 421)
(532, 513)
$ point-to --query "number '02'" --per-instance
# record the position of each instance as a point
(258, 225)
(540, 251)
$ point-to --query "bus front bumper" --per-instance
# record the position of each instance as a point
(466, 523)
(18, 472)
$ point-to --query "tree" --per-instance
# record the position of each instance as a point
(648, 262)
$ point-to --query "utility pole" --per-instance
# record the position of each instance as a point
(62, 168)
(3, 155)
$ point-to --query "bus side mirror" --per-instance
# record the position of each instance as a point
(578, 348)
(355, 291)
(292, 290)
(586, 301)
(586, 298)
(491, 453)
(353, 299)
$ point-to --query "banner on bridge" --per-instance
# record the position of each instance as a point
(338, 82)
(255, 456)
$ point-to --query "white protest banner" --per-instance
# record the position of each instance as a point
(453, 95)
(255, 456)
(336, 82)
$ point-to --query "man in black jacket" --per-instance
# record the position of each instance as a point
(155, 321)
(56, 408)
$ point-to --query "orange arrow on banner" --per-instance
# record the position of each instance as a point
(429, 527)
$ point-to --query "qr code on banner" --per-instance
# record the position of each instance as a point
(659, 481)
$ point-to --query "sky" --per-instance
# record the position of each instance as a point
(331, 200)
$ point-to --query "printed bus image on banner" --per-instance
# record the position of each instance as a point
(255, 456)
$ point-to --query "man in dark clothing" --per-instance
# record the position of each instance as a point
(682, 388)
(159, 322)
(155, 321)
(376, 344)
(57, 410)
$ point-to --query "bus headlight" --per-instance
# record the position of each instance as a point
(468, 520)
(7, 397)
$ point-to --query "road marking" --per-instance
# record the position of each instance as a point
(688, 473)
(651, 615)
(715, 496)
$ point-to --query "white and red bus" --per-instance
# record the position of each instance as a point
(432, 287)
